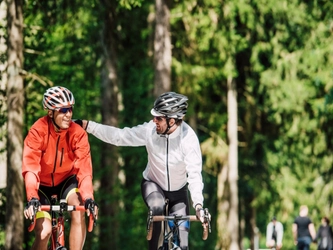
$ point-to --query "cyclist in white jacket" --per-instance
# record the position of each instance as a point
(174, 160)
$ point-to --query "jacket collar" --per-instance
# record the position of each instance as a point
(175, 133)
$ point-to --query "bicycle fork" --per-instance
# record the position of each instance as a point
(58, 237)
(58, 227)
(61, 237)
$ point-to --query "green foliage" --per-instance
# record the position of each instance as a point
(129, 4)
(294, 77)
(279, 55)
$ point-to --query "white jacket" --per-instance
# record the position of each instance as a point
(173, 160)
(278, 229)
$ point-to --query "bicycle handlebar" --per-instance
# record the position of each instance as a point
(175, 217)
(58, 208)
(65, 208)
(154, 218)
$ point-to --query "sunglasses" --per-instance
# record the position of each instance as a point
(65, 110)
(159, 118)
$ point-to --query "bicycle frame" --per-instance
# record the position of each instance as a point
(57, 240)
(173, 233)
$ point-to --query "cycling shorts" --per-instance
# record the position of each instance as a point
(63, 191)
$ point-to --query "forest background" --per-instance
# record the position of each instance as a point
(276, 57)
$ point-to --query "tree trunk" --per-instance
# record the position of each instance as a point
(227, 189)
(223, 204)
(109, 225)
(15, 101)
(162, 48)
(233, 220)
(3, 106)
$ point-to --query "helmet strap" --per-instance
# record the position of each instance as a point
(54, 123)
(168, 126)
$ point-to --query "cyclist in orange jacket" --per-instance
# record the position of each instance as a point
(57, 160)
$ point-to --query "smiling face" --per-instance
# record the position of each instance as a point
(62, 118)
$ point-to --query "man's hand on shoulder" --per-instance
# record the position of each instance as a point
(82, 123)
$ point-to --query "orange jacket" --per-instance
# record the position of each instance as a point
(50, 157)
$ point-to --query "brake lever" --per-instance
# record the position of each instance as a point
(92, 211)
(208, 219)
(33, 219)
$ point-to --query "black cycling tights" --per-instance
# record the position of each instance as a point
(154, 198)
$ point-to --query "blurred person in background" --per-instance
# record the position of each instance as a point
(303, 229)
(274, 234)
(324, 236)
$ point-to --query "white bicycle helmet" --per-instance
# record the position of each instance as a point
(170, 105)
(58, 97)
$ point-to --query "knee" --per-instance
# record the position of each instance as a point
(156, 203)
(157, 209)
(43, 233)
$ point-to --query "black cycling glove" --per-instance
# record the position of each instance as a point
(90, 204)
(33, 202)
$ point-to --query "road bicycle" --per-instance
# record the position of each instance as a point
(171, 228)
(58, 218)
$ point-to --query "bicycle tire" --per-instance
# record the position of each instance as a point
(61, 248)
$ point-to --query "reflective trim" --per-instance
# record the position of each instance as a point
(43, 214)
(74, 190)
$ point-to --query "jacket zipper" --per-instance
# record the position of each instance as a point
(55, 160)
(62, 156)
(167, 163)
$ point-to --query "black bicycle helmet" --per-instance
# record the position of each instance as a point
(58, 97)
(170, 105)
